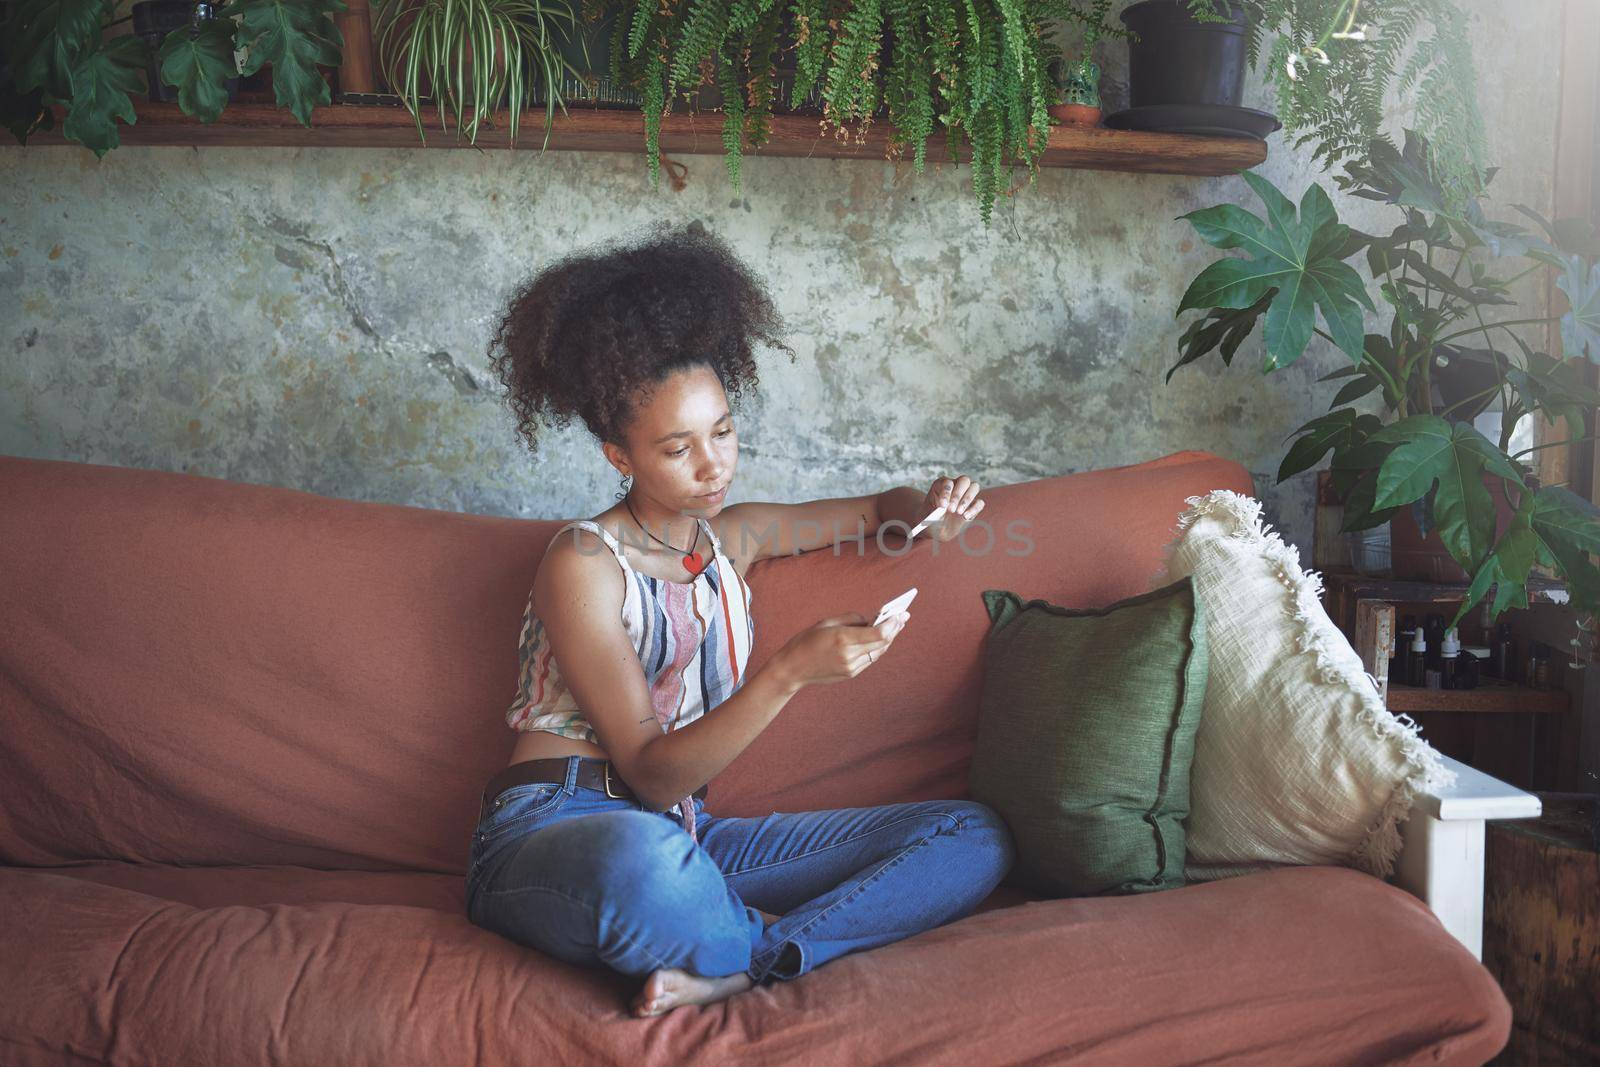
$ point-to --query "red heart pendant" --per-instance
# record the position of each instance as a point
(694, 563)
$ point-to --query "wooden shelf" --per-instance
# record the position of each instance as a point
(594, 129)
(1485, 698)
(1356, 586)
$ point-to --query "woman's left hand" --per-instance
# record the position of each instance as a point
(959, 496)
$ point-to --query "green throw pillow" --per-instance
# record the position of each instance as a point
(1085, 735)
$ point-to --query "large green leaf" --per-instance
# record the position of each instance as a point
(1568, 529)
(1223, 329)
(1339, 430)
(24, 114)
(101, 82)
(294, 36)
(1359, 514)
(1507, 567)
(48, 38)
(1552, 386)
(199, 65)
(1295, 256)
(1454, 455)
(1580, 326)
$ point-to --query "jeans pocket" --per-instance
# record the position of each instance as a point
(516, 806)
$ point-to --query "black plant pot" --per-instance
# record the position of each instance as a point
(597, 88)
(154, 20)
(1177, 60)
(1469, 373)
(1186, 76)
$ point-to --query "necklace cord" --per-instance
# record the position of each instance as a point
(658, 540)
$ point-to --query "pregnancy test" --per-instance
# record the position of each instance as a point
(933, 517)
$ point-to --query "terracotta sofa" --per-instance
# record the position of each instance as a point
(246, 728)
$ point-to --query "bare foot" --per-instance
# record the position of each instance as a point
(669, 987)
(767, 915)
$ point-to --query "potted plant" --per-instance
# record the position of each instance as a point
(1186, 65)
(1078, 92)
(474, 55)
(187, 53)
(73, 62)
(1077, 81)
(1426, 463)
(587, 46)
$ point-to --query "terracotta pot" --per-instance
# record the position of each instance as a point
(1425, 558)
(1075, 114)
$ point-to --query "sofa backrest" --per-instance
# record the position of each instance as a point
(200, 671)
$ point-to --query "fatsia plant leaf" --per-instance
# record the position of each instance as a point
(51, 37)
(1454, 455)
(199, 65)
(1568, 529)
(1223, 329)
(1507, 567)
(1294, 256)
(294, 36)
(1580, 326)
(101, 82)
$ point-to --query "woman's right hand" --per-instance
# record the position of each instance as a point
(838, 647)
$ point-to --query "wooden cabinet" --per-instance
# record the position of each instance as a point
(1504, 728)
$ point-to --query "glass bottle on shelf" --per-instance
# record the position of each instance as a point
(1417, 662)
(1449, 659)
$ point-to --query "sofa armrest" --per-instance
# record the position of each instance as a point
(1441, 851)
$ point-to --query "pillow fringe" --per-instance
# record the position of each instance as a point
(1380, 846)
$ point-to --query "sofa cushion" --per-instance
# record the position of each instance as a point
(1254, 970)
(1297, 760)
(1085, 733)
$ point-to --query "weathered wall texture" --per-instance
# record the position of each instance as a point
(318, 318)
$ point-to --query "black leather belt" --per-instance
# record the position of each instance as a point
(594, 773)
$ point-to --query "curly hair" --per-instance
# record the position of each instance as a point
(592, 335)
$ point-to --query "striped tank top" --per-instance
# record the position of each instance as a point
(693, 639)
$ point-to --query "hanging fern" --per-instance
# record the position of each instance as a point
(977, 68)
(702, 34)
(733, 122)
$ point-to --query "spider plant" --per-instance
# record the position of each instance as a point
(476, 52)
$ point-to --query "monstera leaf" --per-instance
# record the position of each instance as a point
(1428, 450)
(294, 36)
(199, 65)
(1295, 255)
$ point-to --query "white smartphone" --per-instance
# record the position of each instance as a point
(933, 517)
(896, 606)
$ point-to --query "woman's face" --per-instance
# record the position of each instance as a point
(682, 444)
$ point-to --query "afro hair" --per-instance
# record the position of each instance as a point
(591, 335)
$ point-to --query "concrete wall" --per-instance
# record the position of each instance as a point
(318, 318)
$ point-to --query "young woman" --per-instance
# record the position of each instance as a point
(593, 844)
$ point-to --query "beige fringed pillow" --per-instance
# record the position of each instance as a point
(1296, 759)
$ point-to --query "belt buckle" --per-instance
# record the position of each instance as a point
(609, 793)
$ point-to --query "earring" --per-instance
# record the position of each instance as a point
(626, 486)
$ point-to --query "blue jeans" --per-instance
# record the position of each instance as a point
(604, 881)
